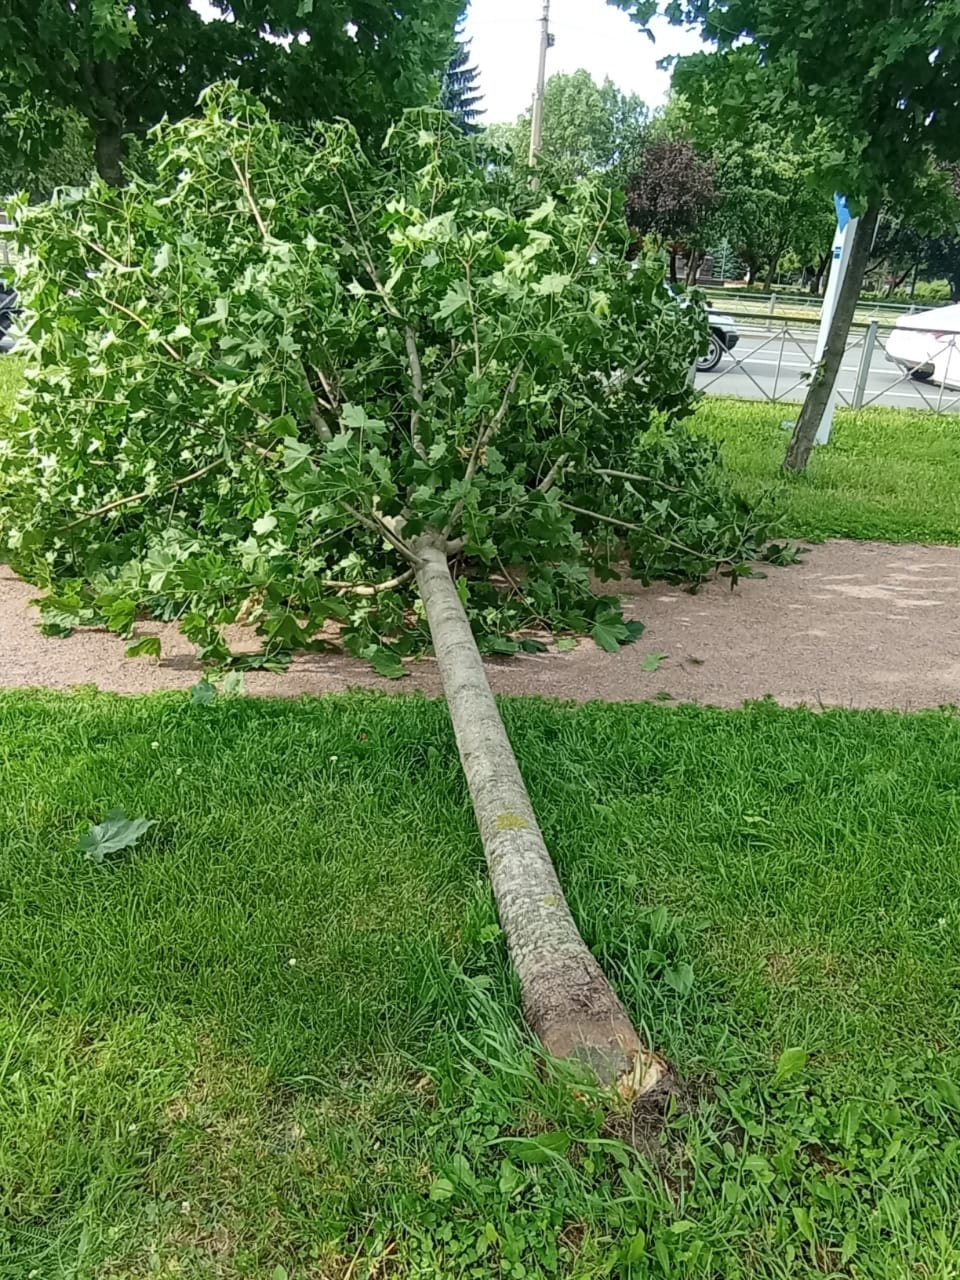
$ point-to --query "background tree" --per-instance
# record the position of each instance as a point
(886, 83)
(331, 398)
(765, 175)
(460, 88)
(588, 128)
(671, 196)
(39, 171)
(124, 66)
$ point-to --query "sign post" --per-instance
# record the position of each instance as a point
(842, 248)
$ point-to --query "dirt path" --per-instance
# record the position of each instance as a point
(857, 624)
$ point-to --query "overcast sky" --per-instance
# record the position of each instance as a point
(505, 37)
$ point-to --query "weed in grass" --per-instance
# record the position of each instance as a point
(774, 892)
(887, 474)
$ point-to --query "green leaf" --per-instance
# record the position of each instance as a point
(789, 1063)
(552, 284)
(636, 1249)
(203, 693)
(652, 662)
(145, 647)
(233, 684)
(221, 309)
(540, 1149)
(266, 524)
(441, 1189)
(387, 664)
(565, 644)
(606, 636)
(116, 832)
(280, 1273)
(948, 1091)
(680, 978)
(455, 298)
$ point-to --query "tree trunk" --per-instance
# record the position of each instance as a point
(817, 283)
(109, 154)
(825, 375)
(567, 1001)
(693, 266)
(673, 264)
(772, 269)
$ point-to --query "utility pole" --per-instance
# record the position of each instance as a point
(536, 124)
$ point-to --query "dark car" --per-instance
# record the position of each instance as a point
(9, 310)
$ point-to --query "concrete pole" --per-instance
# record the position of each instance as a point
(536, 124)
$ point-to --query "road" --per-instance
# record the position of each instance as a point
(769, 365)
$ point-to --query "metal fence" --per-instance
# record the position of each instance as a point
(774, 360)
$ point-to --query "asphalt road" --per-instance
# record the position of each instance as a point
(769, 365)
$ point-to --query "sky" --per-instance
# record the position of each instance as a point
(505, 36)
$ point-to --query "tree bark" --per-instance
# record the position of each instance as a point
(772, 268)
(673, 264)
(816, 283)
(109, 154)
(567, 1001)
(825, 375)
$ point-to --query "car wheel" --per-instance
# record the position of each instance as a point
(921, 375)
(713, 355)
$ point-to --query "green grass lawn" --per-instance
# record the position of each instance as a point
(889, 474)
(11, 375)
(278, 1038)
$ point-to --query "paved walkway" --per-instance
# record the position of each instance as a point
(855, 625)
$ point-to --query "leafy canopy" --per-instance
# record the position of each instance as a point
(125, 66)
(885, 78)
(587, 128)
(262, 369)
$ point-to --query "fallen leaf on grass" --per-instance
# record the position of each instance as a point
(114, 833)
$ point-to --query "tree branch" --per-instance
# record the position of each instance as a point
(630, 475)
(548, 481)
(369, 589)
(416, 374)
(175, 355)
(317, 420)
(138, 497)
(634, 528)
(483, 439)
(377, 525)
(244, 179)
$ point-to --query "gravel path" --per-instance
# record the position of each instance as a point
(856, 625)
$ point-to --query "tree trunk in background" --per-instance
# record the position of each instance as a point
(673, 264)
(772, 269)
(693, 266)
(567, 1001)
(816, 284)
(825, 375)
(109, 154)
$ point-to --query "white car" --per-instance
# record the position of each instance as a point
(926, 345)
(723, 338)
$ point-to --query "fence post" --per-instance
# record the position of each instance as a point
(771, 309)
(866, 359)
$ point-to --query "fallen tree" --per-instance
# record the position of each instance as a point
(274, 382)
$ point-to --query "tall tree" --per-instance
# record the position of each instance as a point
(672, 195)
(125, 64)
(765, 173)
(460, 88)
(885, 79)
(587, 128)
